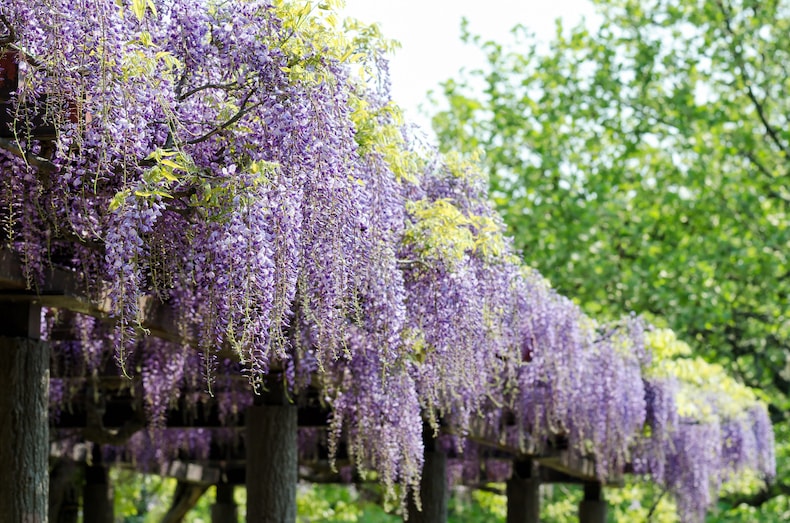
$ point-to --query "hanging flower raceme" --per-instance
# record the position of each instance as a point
(609, 407)
(461, 283)
(379, 412)
(712, 430)
(207, 151)
(226, 160)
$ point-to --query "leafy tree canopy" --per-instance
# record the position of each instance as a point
(643, 166)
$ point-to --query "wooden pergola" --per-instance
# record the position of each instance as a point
(268, 464)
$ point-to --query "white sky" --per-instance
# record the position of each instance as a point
(429, 32)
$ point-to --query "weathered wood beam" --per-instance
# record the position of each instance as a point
(61, 289)
(192, 473)
(118, 412)
(224, 509)
(557, 457)
(272, 455)
(42, 164)
(97, 495)
(272, 463)
(61, 484)
(434, 491)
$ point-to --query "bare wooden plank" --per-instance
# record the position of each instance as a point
(572, 464)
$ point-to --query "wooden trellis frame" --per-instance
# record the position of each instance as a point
(276, 420)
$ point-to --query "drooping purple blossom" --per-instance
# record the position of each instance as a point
(278, 241)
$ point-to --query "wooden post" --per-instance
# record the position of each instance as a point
(97, 496)
(523, 493)
(224, 510)
(62, 479)
(272, 457)
(592, 509)
(24, 423)
(433, 487)
(70, 508)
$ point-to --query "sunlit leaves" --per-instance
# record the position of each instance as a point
(638, 166)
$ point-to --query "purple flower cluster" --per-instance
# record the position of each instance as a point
(380, 412)
(661, 419)
(694, 457)
(204, 160)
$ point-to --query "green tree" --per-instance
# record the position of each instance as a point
(643, 165)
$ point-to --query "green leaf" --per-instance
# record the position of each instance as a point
(172, 164)
(119, 199)
(138, 8)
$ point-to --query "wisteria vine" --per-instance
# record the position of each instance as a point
(241, 163)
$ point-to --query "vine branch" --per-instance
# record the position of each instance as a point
(758, 106)
(243, 110)
(10, 36)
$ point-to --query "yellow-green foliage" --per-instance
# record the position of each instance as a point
(378, 131)
(664, 345)
(462, 167)
(440, 230)
(488, 231)
(706, 390)
(314, 32)
(636, 500)
(414, 338)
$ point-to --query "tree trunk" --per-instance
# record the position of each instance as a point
(24, 420)
(433, 489)
(523, 494)
(272, 463)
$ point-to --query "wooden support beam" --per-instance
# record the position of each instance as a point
(61, 289)
(61, 485)
(224, 509)
(272, 458)
(119, 410)
(24, 427)
(185, 498)
(570, 463)
(523, 493)
(592, 509)
(558, 462)
(192, 473)
(434, 491)
(97, 495)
